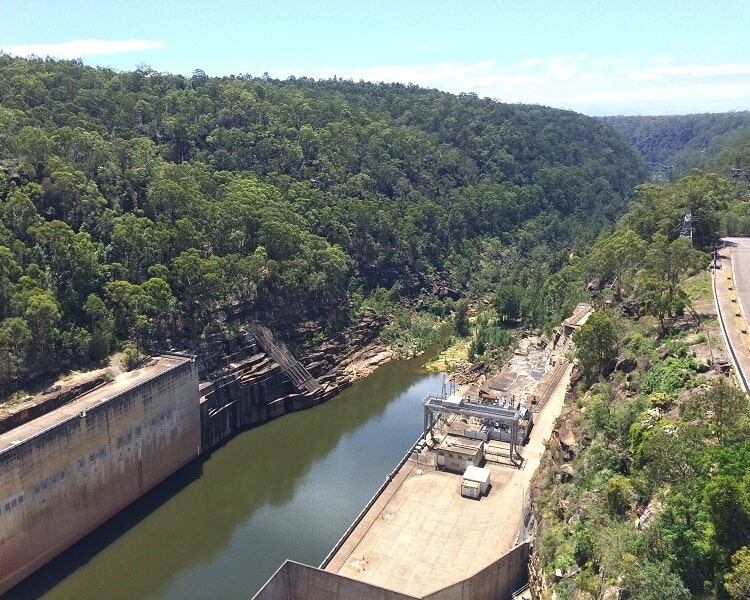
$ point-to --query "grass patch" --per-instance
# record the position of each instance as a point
(701, 292)
(700, 287)
(14, 398)
(455, 351)
(410, 333)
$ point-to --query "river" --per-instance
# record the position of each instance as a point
(286, 489)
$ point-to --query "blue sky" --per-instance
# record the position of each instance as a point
(605, 57)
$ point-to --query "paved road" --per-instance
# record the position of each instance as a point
(734, 262)
(741, 270)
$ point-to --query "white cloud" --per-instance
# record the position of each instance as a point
(603, 85)
(531, 62)
(79, 48)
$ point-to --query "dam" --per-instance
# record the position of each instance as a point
(72, 459)
(67, 472)
(284, 490)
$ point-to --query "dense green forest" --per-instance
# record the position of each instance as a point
(147, 208)
(675, 144)
(141, 206)
(733, 158)
(648, 494)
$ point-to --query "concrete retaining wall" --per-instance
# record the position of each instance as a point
(295, 581)
(499, 580)
(63, 482)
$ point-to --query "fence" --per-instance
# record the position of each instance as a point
(735, 360)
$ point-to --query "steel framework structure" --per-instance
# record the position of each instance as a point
(434, 406)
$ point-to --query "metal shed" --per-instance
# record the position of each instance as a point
(478, 476)
(470, 489)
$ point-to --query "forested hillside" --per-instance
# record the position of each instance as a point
(734, 158)
(646, 491)
(675, 144)
(144, 206)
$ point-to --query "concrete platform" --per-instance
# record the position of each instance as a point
(421, 535)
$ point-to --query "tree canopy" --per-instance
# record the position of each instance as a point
(142, 205)
(657, 498)
(596, 345)
(675, 144)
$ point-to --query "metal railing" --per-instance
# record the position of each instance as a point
(349, 530)
(300, 376)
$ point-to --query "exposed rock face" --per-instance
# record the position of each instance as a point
(626, 365)
(631, 309)
(15, 414)
(468, 372)
(443, 291)
(364, 362)
(566, 473)
(653, 509)
(538, 585)
(350, 354)
(567, 439)
(722, 366)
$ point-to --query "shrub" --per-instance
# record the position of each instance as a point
(583, 546)
(600, 459)
(461, 318)
(619, 495)
(600, 415)
(661, 400)
(670, 376)
(130, 358)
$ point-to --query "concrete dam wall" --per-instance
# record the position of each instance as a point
(296, 581)
(71, 465)
(67, 472)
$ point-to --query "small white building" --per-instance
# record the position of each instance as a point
(457, 453)
(470, 489)
(476, 482)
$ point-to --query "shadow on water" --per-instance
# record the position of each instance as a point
(286, 489)
(98, 540)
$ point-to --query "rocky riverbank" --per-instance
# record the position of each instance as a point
(350, 354)
(343, 358)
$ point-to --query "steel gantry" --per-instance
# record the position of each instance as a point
(491, 415)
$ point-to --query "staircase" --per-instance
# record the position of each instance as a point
(299, 376)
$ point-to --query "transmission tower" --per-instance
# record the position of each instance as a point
(687, 226)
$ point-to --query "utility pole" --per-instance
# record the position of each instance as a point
(687, 226)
